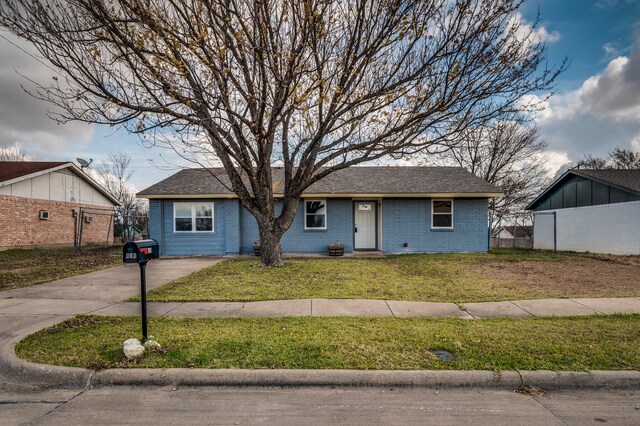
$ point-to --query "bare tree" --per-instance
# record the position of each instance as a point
(13, 153)
(508, 155)
(317, 85)
(619, 158)
(115, 175)
(624, 159)
(591, 162)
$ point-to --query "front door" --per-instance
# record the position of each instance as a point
(365, 225)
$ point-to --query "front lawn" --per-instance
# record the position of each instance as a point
(21, 268)
(500, 275)
(574, 343)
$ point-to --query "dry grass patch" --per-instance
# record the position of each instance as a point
(21, 268)
(496, 276)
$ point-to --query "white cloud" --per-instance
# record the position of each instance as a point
(526, 31)
(610, 50)
(602, 114)
(23, 119)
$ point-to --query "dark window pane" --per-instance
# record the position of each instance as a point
(315, 221)
(314, 207)
(183, 224)
(442, 221)
(204, 224)
(442, 206)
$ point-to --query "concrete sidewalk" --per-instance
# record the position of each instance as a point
(327, 308)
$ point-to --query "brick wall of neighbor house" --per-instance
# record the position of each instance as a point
(20, 225)
(409, 221)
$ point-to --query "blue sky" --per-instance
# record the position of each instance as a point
(597, 106)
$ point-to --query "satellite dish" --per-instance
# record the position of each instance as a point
(84, 163)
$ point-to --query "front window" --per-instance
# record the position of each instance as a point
(442, 214)
(193, 217)
(315, 214)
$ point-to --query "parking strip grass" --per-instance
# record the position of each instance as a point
(478, 277)
(572, 343)
(26, 267)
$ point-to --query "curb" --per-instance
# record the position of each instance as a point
(18, 372)
(505, 380)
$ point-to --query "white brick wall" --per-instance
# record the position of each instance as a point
(606, 228)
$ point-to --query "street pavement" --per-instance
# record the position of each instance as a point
(318, 406)
(75, 396)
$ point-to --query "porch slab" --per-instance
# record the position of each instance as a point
(554, 307)
(350, 307)
(612, 305)
(277, 308)
(133, 309)
(205, 309)
(426, 309)
(495, 310)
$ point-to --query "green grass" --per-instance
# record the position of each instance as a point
(21, 268)
(574, 343)
(501, 275)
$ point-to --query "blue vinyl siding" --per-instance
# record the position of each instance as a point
(403, 221)
(409, 221)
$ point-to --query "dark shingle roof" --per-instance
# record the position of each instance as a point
(627, 180)
(624, 178)
(15, 169)
(354, 180)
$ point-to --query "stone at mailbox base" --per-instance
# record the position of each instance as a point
(133, 348)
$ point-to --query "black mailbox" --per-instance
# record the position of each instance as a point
(140, 251)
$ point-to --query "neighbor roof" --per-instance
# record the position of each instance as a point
(360, 181)
(627, 180)
(15, 171)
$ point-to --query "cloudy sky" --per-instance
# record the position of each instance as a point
(597, 106)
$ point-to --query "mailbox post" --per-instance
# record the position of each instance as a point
(141, 252)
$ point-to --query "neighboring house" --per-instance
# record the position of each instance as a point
(390, 209)
(48, 204)
(509, 232)
(590, 210)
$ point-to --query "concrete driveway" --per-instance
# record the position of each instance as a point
(106, 286)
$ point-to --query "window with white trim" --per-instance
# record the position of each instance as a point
(441, 214)
(315, 214)
(193, 217)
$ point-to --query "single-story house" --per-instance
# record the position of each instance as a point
(388, 209)
(514, 231)
(590, 210)
(44, 204)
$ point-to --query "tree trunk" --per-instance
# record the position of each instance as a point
(270, 247)
(271, 230)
